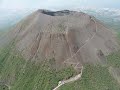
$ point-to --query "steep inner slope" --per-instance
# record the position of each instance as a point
(47, 45)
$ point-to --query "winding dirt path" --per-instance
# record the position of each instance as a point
(69, 80)
(75, 78)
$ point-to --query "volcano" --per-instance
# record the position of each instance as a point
(71, 38)
(48, 47)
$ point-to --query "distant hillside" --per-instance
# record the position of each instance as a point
(10, 17)
(111, 17)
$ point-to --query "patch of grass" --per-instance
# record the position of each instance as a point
(61, 27)
(3, 87)
(114, 59)
(4, 54)
(118, 37)
(93, 78)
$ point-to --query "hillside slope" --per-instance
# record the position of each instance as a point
(48, 47)
(67, 36)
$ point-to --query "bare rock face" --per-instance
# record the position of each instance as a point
(71, 38)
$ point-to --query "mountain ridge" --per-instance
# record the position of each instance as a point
(49, 36)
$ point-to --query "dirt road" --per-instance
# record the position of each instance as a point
(69, 80)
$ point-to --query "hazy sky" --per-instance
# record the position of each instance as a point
(59, 4)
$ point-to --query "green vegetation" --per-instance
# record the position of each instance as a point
(114, 59)
(61, 27)
(20, 74)
(97, 77)
(3, 87)
(93, 78)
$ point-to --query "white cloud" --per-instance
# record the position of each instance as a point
(57, 4)
(11, 4)
(48, 4)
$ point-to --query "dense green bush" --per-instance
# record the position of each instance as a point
(114, 59)
(3, 87)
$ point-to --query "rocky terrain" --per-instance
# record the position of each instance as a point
(69, 37)
(55, 45)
